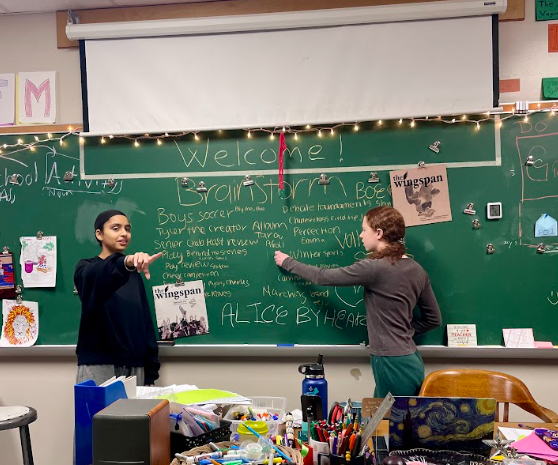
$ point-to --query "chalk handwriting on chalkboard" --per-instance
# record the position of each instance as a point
(553, 298)
(47, 173)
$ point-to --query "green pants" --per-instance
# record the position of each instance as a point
(402, 376)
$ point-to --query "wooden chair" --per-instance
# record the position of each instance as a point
(506, 389)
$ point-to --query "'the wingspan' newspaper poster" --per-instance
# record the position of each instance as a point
(180, 310)
(421, 194)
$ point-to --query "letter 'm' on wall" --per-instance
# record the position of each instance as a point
(7, 99)
(37, 97)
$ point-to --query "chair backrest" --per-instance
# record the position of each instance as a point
(506, 389)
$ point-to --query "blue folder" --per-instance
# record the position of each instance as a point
(90, 399)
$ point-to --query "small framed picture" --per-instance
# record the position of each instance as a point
(7, 277)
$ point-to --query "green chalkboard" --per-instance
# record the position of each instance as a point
(227, 236)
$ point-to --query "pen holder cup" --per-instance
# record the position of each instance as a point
(341, 460)
(180, 443)
(318, 448)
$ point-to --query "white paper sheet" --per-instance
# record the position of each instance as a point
(37, 97)
(20, 323)
(38, 261)
(519, 338)
(7, 99)
(180, 310)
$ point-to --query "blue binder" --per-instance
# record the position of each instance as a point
(90, 399)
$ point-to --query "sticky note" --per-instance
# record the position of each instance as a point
(550, 87)
(546, 226)
(509, 85)
(546, 10)
(552, 38)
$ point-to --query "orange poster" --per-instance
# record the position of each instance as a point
(552, 38)
(421, 194)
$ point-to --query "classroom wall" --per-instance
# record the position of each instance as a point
(47, 383)
(29, 44)
(524, 55)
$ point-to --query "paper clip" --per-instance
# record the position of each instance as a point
(179, 282)
(435, 147)
(14, 179)
(18, 291)
(184, 182)
(248, 181)
(201, 187)
(373, 178)
(541, 248)
(5, 250)
(68, 176)
(421, 165)
(470, 210)
(111, 183)
(39, 235)
(323, 181)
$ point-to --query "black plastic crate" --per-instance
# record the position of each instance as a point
(180, 443)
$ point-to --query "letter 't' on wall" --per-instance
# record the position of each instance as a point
(37, 97)
(7, 99)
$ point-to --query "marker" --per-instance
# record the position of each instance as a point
(258, 435)
(285, 345)
(521, 425)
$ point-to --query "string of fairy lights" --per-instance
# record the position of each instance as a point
(23, 143)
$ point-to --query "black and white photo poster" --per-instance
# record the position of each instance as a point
(180, 310)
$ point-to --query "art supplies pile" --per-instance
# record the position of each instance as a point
(540, 443)
(270, 410)
(262, 452)
(192, 421)
(341, 439)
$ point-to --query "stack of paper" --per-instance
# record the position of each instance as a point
(207, 396)
(128, 382)
(519, 338)
(514, 434)
(152, 392)
(536, 447)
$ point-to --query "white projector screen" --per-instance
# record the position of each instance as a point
(289, 77)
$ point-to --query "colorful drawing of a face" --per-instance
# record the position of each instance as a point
(20, 325)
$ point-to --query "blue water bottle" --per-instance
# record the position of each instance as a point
(314, 383)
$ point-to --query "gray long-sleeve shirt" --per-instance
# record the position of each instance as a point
(391, 292)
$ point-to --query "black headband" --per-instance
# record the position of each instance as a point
(105, 216)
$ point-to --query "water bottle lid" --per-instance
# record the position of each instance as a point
(316, 369)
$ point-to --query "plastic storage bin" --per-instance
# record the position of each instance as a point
(260, 405)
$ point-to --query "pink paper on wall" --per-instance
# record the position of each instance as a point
(37, 97)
